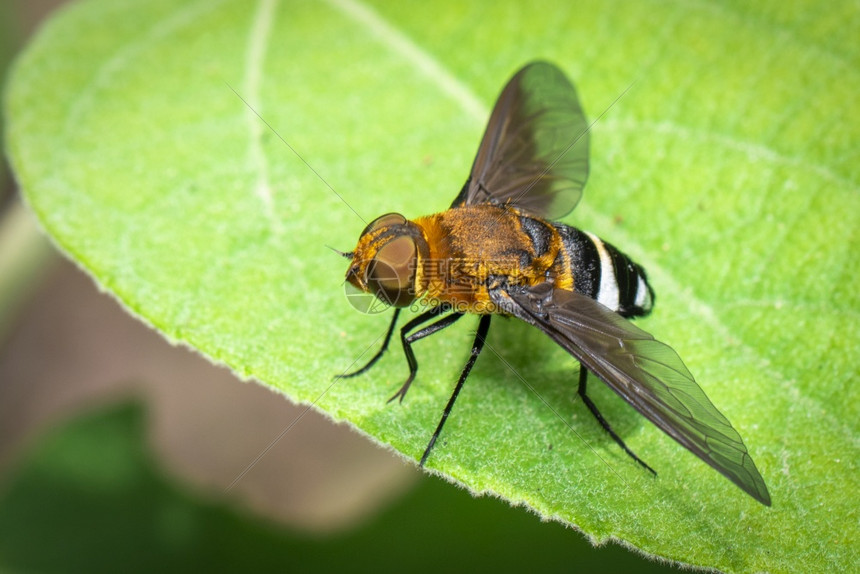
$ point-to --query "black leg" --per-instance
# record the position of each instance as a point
(583, 378)
(417, 336)
(407, 341)
(477, 346)
(375, 357)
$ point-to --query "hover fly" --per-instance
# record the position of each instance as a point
(498, 250)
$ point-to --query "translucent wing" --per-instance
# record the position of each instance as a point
(646, 373)
(534, 154)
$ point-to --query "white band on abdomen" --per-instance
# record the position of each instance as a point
(607, 295)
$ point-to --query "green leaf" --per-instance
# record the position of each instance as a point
(9, 42)
(729, 170)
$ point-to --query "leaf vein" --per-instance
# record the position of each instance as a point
(751, 150)
(424, 62)
(258, 39)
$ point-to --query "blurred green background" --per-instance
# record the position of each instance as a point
(117, 450)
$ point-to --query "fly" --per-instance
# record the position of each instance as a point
(499, 251)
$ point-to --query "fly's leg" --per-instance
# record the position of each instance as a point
(379, 353)
(477, 346)
(417, 336)
(583, 378)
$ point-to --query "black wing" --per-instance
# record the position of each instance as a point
(646, 373)
(534, 154)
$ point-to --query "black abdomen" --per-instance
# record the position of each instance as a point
(605, 274)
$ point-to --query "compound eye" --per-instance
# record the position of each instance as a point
(391, 274)
(384, 221)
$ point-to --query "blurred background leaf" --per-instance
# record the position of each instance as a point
(89, 498)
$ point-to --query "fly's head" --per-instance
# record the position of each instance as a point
(384, 263)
